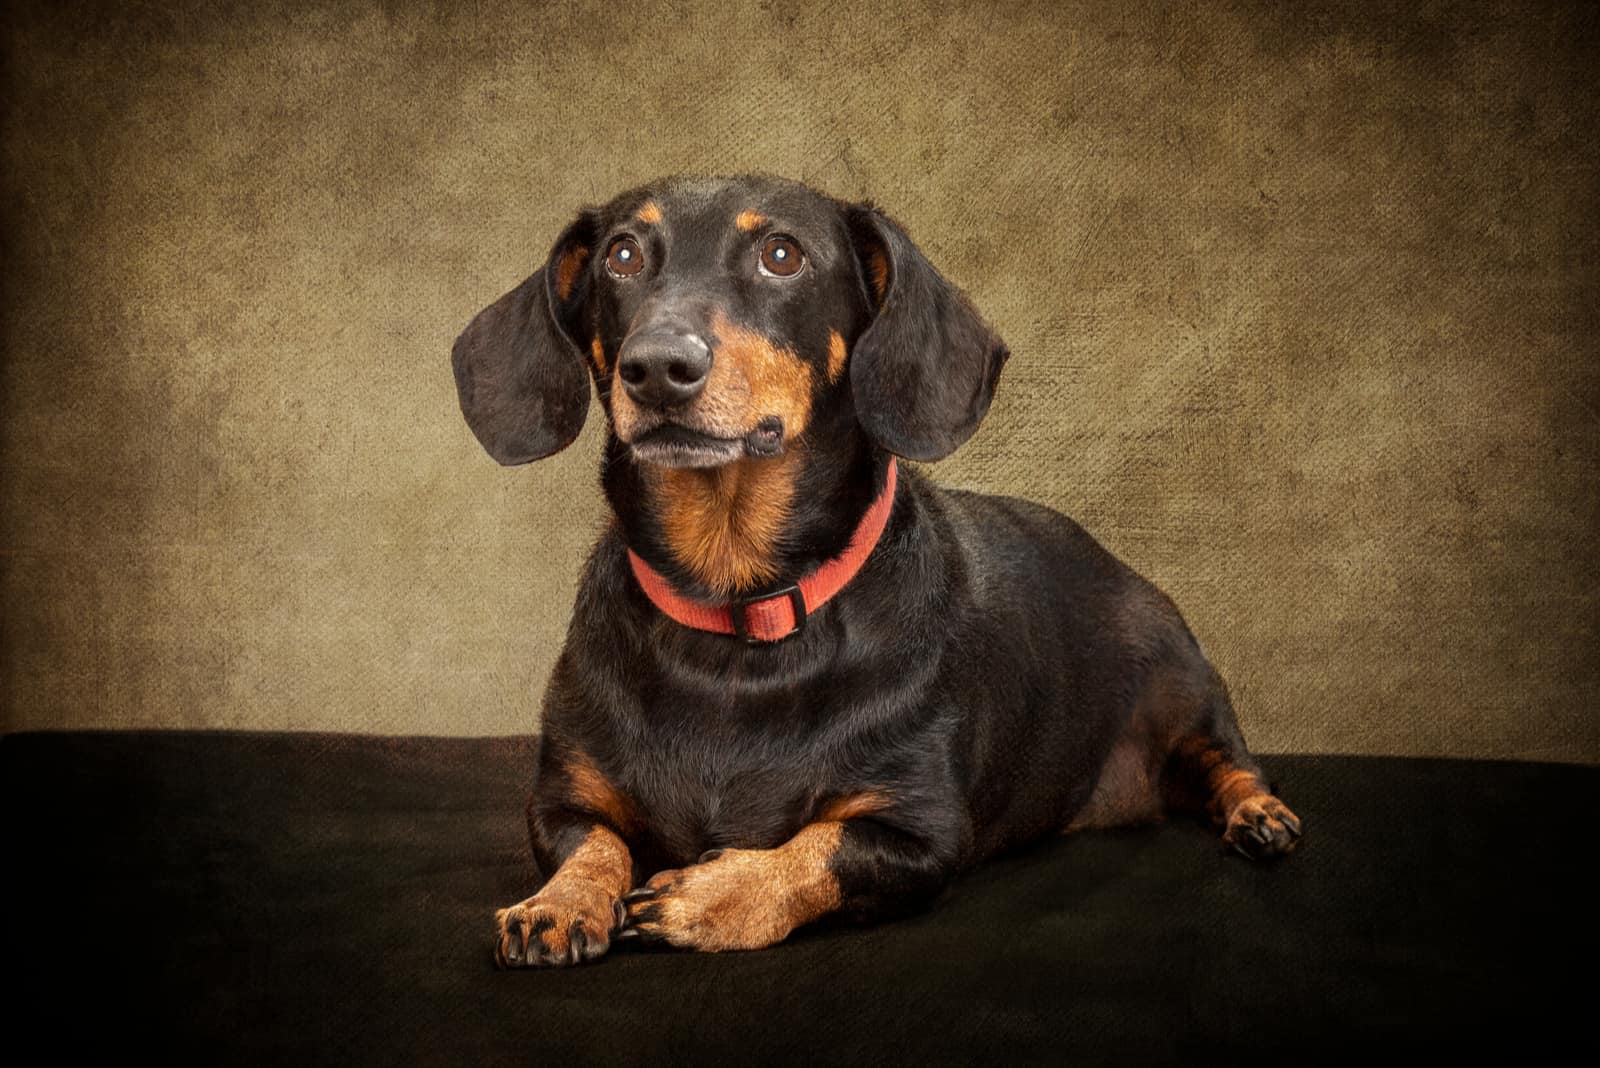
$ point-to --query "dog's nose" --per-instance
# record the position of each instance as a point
(661, 369)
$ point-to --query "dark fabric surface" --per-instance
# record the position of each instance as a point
(328, 898)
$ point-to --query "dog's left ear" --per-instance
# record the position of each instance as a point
(924, 371)
(521, 378)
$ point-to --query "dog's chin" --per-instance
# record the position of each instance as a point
(677, 446)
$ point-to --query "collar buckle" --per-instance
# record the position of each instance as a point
(741, 626)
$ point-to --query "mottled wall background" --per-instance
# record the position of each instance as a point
(1302, 301)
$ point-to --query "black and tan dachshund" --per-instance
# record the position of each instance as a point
(801, 680)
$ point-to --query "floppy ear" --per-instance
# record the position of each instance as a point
(523, 384)
(924, 371)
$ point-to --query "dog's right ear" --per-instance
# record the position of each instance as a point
(521, 377)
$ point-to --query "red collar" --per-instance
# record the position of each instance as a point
(772, 617)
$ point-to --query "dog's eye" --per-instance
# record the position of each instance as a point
(781, 257)
(626, 258)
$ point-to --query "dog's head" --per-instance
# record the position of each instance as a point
(720, 317)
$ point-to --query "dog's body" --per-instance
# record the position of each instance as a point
(987, 675)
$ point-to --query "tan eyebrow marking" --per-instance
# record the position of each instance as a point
(650, 212)
(749, 219)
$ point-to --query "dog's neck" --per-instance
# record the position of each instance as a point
(750, 525)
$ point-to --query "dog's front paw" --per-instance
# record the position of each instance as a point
(733, 899)
(564, 924)
(1261, 827)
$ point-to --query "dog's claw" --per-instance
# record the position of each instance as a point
(643, 893)
(577, 942)
(709, 855)
(626, 934)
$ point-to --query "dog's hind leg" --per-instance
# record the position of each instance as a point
(1180, 746)
(1209, 769)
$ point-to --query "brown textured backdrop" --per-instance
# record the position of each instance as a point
(1302, 303)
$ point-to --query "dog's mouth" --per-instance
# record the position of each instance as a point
(674, 445)
(678, 446)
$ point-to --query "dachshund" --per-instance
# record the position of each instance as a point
(801, 680)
